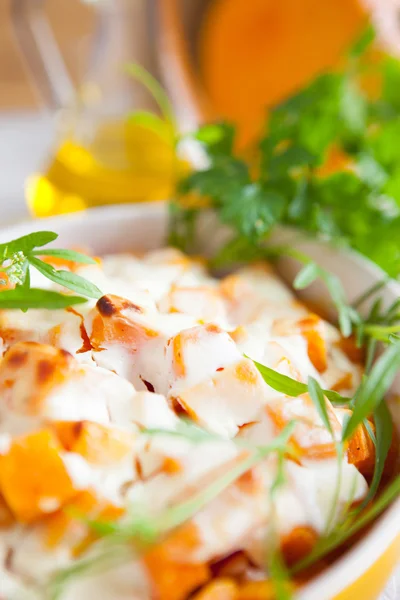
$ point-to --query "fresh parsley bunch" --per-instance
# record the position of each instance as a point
(19, 256)
(356, 202)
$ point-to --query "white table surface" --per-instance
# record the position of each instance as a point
(25, 140)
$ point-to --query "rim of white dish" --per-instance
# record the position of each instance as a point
(364, 553)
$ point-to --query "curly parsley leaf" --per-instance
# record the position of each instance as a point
(327, 163)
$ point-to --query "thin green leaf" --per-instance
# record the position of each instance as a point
(363, 42)
(72, 281)
(217, 138)
(383, 434)
(290, 387)
(318, 398)
(280, 577)
(370, 356)
(381, 332)
(338, 486)
(156, 90)
(374, 388)
(26, 243)
(308, 274)
(370, 431)
(371, 291)
(77, 257)
(36, 298)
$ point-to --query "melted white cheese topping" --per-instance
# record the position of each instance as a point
(167, 339)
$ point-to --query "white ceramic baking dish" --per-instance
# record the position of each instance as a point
(362, 572)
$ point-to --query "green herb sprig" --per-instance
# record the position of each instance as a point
(21, 254)
(285, 184)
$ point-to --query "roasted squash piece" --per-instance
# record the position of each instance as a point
(298, 544)
(33, 477)
(97, 443)
(256, 590)
(172, 578)
(219, 589)
(361, 451)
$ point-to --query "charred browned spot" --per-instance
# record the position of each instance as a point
(125, 304)
(17, 358)
(149, 386)
(233, 565)
(8, 559)
(139, 469)
(106, 307)
(177, 407)
(65, 354)
(111, 305)
(247, 425)
(45, 370)
(124, 489)
(68, 432)
(77, 428)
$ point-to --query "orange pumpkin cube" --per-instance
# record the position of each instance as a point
(171, 577)
(98, 444)
(33, 477)
(219, 589)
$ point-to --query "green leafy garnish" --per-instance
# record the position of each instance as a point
(36, 298)
(16, 258)
(373, 389)
(26, 243)
(70, 280)
(318, 398)
(290, 387)
(289, 181)
(71, 255)
(383, 436)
